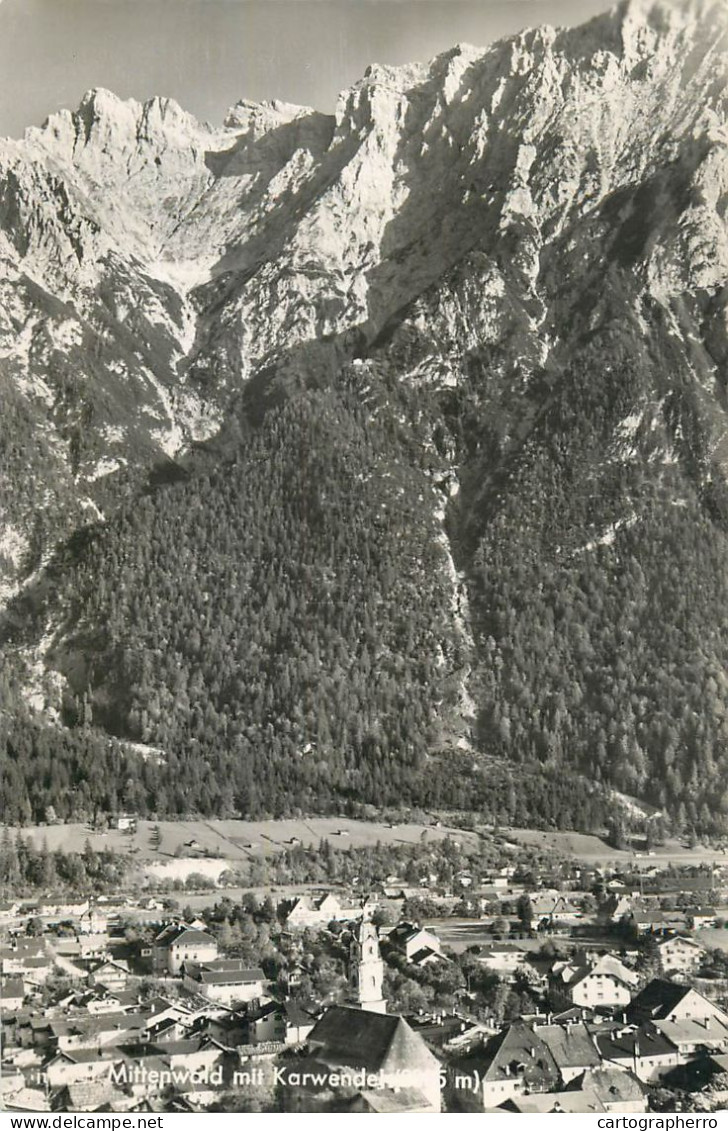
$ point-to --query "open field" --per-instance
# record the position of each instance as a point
(715, 938)
(233, 841)
(459, 934)
(594, 850)
(184, 843)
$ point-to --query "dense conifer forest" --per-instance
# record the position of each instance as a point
(275, 624)
(379, 459)
(273, 627)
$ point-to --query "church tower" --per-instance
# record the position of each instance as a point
(366, 969)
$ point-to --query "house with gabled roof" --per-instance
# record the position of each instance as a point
(618, 1090)
(419, 945)
(172, 1028)
(96, 945)
(12, 994)
(266, 1022)
(95, 919)
(224, 980)
(604, 982)
(643, 1051)
(382, 1047)
(572, 1048)
(113, 974)
(179, 944)
(157, 1008)
(317, 911)
(693, 1036)
(656, 921)
(92, 1031)
(514, 1062)
(407, 1101)
(90, 1096)
(584, 1102)
(27, 957)
(614, 908)
(10, 912)
(71, 1067)
(504, 959)
(663, 1000)
(699, 917)
(98, 999)
(680, 953)
(299, 1021)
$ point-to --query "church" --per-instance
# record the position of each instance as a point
(361, 1058)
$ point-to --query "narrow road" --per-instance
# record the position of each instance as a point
(66, 965)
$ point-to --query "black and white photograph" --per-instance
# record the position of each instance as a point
(363, 560)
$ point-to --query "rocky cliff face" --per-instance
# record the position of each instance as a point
(512, 259)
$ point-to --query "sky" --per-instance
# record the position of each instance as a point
(207, 54)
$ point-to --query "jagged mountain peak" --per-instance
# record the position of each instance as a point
(262, 116)
(494, 287)
(111, 126)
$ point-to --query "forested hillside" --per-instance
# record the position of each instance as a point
(379, 457)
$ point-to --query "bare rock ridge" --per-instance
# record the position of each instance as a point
(503, 273)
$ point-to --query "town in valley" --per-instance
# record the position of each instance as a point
(406, 966)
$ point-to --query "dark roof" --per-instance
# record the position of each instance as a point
(265, 1010)
(501, 948)
(423, 954)
(386, 1100)
(322, 899)
(657, 1000)
(402, 933)
(574, 1013)
(356, 1038)
(87, 1095)
(515, 1051)
(232, 975)
(174, 934)
(12, 987)
(23, 948)
(622, 1044)
(586, 969)
(570, 1045)
(89, 1056)
(160, 1026)
(572, 1103)
(611, 1085)
(157, 1004)
(297, 1014)
(179, 1048)
(90, 1025)
(542, 965)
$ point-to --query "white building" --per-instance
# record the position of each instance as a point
(418, 944)
(179, 944)
(677, 952)
(225, 981)
(603, 981)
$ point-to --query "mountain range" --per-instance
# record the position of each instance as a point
(377, 457)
